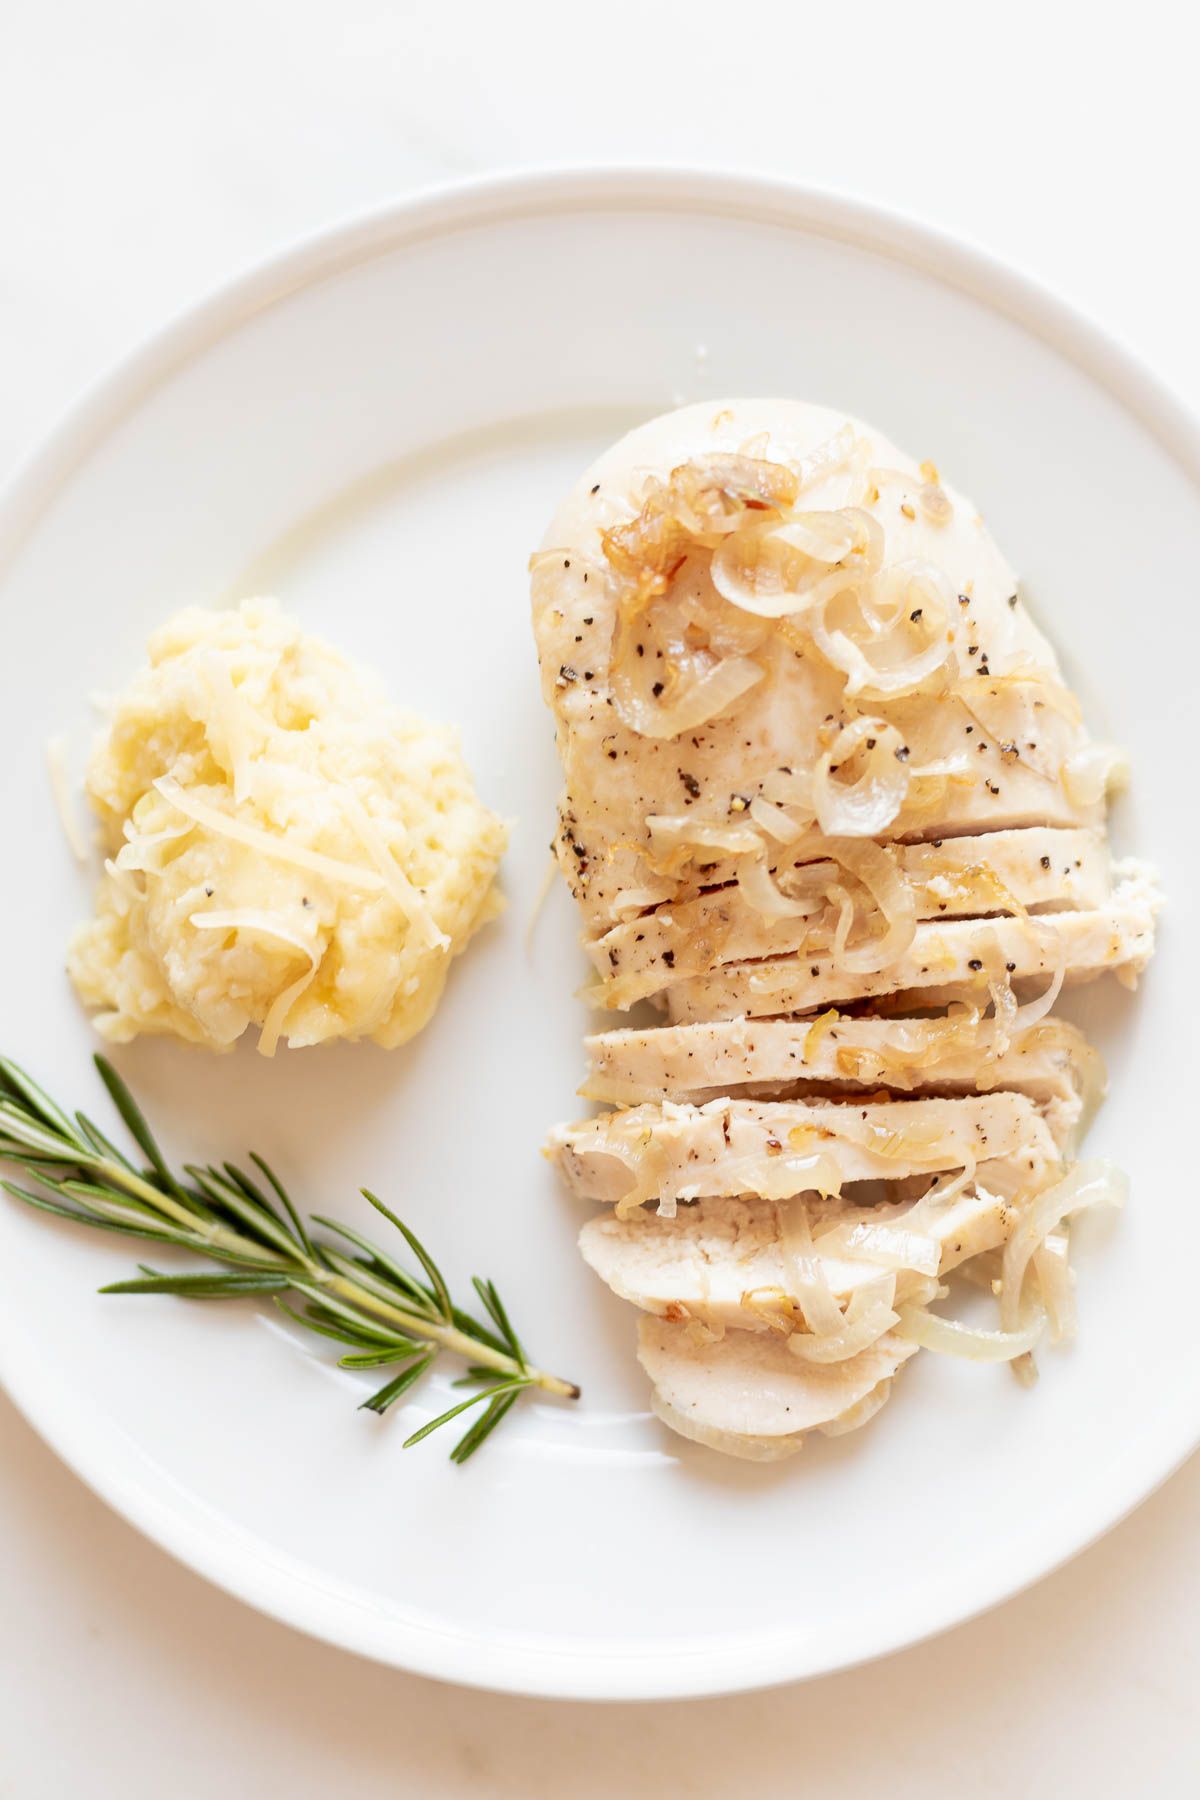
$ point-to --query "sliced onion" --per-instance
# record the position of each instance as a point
(851, 1340)
(937, 1199)
(870, 864)
(932, 1042)
(886, 607)
(952, 1338)
(868, 1316)
(763, 893)
(891, 1246)
(1056, 1284)
(827, 458)
(920, 1145)
(843, 899)
(703, 672)
(670, 832)
(808, 1284)
(788, 787)
(776, 571)
(1087, 1184)
(1003, 705)
(776, 1176)
(1034, 1011)
(697, 701)
(815, 1035)
(776, 822)
(1004, 1004)
(867, 806)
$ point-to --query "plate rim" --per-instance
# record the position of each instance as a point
(420, 1645)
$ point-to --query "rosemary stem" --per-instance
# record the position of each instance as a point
(448, 1336)
(171, 1209)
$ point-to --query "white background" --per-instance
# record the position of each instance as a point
(149, 150)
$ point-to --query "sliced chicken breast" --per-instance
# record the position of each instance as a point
(944, 954)
(957, 877)
(830, 808)
(776, 1148)
(748, 1385)
(725, 1262)
(702, 1062)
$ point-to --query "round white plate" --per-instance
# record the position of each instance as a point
(375, 427)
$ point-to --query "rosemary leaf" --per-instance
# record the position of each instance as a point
(24, 1087)
(312, 1319)
(204, 1287)
(266, 1169)
(508, 1387)
(379, 1402)
(137, 1127)
(474, 1376)
(436, 1278)
(483, 1427)
(400, 1351)
(102, 1145)
(495, 1310)
(392, 1270)
(247, 1213)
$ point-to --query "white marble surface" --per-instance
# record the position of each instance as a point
(150, 150)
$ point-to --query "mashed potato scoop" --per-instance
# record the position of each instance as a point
(284, 848)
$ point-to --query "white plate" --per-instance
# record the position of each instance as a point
(376, 427)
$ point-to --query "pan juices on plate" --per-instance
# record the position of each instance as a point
(831, 810)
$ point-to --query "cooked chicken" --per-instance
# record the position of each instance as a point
(726, 1262)
(830, 807)
(1117, 938)
(781, 1147)
(620, 675)
(747, 1386)
(1004, 872)
(701, 1062)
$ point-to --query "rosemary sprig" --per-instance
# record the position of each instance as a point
(382, 1314)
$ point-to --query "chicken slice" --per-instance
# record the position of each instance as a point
(748, 1386)
(967, 876)
(776, 1148)
(944, 954)
(724, 1262)
(1000, 734)
(701, 1062)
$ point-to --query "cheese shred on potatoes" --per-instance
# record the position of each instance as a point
(284, 848)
